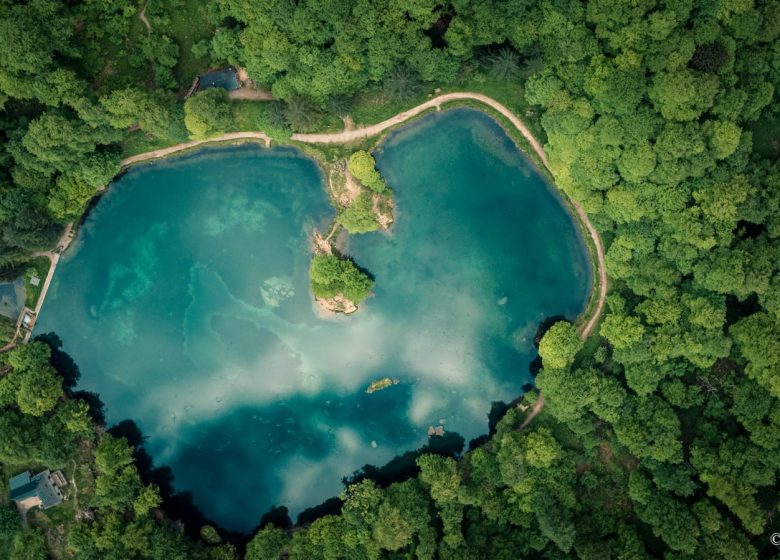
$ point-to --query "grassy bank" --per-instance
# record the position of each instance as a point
(189, 24)
(38, 267)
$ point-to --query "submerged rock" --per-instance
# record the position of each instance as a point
(275, 290)
(379, 384)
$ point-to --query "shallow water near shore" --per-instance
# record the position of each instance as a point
(185, 302)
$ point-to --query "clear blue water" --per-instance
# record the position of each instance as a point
(185, 302)
(225, 79)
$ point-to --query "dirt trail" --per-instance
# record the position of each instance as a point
(75, 487)
(588, 327)
(10, 344)
(369, 131)
(535, 409)
(372, 130)
(142, 17)
(156, 154)
(251, 94)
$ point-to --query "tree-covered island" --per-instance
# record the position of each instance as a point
(364, 203)
(337, 284)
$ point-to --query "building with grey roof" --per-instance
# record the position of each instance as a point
(42, 489)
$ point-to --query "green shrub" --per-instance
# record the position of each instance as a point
(10, 522)
(360, 216)
(559, 345)
(207, 113)
(363, 167)
(331, 276)
(402, 84)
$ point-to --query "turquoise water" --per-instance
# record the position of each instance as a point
(225, 79)
(185, 302)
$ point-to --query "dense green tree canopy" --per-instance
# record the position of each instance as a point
(559, 345)
(659, 440)
(32, 383)
(207, 113)
(359, 217)
(332, 276)
(268, 543)
(363, 167)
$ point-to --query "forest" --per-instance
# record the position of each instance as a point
(660, 435)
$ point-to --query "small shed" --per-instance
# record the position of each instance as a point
(28, 318)
(29, 490)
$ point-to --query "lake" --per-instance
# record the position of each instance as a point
(185, 302)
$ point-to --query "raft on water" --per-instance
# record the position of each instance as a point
(379, 384)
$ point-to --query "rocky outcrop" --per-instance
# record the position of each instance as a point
(337, 304)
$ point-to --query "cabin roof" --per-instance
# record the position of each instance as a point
(24, 486)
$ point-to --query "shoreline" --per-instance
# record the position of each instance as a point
(600, 280)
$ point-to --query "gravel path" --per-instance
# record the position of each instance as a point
(156, 154)
(251, 94)
(142, 17)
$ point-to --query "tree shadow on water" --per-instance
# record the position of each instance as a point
(404, 466)
(278, 516)
(179, 506)
(497, 411)
(70, 372)
(62, 362)
(544, 326)
(331, 506)
(398, 469)
(97, 410)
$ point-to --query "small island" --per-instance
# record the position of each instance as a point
(359, 194)
(338, 284)
(364, 203)
(379, 384)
